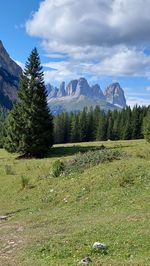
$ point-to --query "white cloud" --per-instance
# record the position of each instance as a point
(123, 63)
(100, 37)
(148, 88)
(91, 22)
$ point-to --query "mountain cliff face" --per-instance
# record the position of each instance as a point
(9, 78)
(115, 95)
(79, 94)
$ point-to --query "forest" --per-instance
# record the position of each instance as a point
(95, 124)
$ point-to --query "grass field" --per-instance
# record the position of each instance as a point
(55, 220)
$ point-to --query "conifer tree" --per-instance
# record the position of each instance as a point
(29, 127)
(101, 127)
(75, 130)
(147, 126)
(83, 125)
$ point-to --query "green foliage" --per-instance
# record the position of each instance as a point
(3, 114)
(147, 126)
(85, 160)
(91, 158)
(8, 169)
(94, 124)
(29, 126)
(24, 181)
(57, 168)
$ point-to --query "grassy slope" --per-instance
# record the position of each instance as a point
(60, 218)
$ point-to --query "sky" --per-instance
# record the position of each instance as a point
(103, 40)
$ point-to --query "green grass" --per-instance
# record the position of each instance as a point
(55, 221)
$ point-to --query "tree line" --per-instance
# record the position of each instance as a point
(95, 124)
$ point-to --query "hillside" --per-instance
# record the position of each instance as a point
(9, 78)
(55, 220)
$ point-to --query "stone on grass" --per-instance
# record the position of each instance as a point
(3, 217)
(100, 246)
(85, 261)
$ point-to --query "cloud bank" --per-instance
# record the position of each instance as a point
(95, 37)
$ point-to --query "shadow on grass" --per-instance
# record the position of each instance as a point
(68, 151)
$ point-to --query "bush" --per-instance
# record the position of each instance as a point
(24, 182)
(8, 170)
(84, 160)
(91, 158)
(57, 168)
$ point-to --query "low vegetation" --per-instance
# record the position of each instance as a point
(52, 216)
(82, 161)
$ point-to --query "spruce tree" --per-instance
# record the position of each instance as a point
(29, 127)
(75, 129)
(83, 125)
(147, 126)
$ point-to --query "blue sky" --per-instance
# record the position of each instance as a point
(105, 41)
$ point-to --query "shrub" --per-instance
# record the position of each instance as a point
(91, 158)
(24, 182)
(8, 170)
(57, 168)
(84, 160)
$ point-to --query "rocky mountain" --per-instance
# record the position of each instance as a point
(9, 78)
(73, 97)
(115, 95)
(78, 94)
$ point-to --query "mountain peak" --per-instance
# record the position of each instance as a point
(115, 95)
(83, 88)
(61, 91)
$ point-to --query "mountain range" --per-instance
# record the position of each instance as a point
(73, 97)
(78, 93)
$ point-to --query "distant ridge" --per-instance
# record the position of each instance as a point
(78, 94)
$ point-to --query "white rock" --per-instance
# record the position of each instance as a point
(99, 246)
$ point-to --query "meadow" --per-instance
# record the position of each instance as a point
(54, 220)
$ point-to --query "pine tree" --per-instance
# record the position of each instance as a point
(101, 127)
(3, 114)
(83, 125)
(90, 125)
(127, 129)
(29, 127)
(147, 126)
(75, 130)
(110, 123)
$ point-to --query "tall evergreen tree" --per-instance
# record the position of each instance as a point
(110, 123)
(29, 127)
(101, 127)
(83, 126)
(90, 125)
(75, 130)
(147, 126)
(127, 129)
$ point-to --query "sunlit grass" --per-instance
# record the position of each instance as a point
(55, 221)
